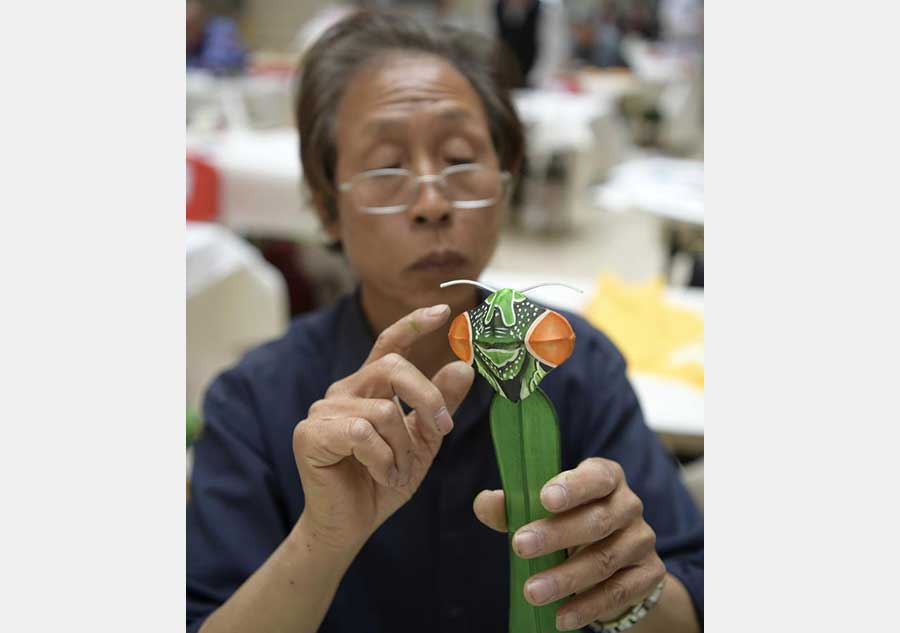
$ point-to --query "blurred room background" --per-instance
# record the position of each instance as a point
(611, 201)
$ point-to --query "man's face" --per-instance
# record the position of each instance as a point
(414, 112)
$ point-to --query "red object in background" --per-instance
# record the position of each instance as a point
(274, 69)
(202, 190)
(571, 83)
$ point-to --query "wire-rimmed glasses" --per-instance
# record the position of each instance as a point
(393, 190)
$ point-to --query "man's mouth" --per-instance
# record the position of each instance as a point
(439, 261)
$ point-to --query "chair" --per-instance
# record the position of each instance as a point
(235, 301)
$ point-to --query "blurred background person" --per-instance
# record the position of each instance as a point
(537, 34)
(681, 22)
(640, 18)
(600, 27)
(597, 34)
(214, 42)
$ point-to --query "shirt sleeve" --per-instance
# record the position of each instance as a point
(235, 514)
(620, 434)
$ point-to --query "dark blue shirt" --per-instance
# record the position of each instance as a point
(432, 566)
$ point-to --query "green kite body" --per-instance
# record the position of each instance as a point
(514, 344)
(526, 442)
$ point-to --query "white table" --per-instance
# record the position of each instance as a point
(659, 63)
(582, 130)
(254, 101)
(261, 182)
(559, 121)
(671, 408)
(670, 188)
(672, 76)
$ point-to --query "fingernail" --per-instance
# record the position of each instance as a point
(438, 310)
(527, 542)
(394, 477)
(540, 590)
(554, 497)
(444, 421)
(567, 621)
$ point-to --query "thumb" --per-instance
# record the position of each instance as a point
(490, 509)
(454, 381)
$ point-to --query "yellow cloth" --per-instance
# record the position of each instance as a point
(646, 328)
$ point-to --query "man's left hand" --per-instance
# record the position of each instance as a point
(613, 564)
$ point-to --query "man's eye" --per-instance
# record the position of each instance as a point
(459, 161)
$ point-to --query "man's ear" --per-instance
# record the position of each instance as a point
(330, 220)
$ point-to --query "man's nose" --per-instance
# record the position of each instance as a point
(431, 205)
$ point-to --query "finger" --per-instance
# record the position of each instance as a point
(387, 419)
(430, 419)
(454, 380)
(582, 525)
(594, 478)
(591, 565)
(394, 375)
(325, 442)
(610, 599)
(399, 337)
(490, 508)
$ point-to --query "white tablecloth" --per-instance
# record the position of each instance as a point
(261, 181)
(560, 121)
(656, 63)
(260, 101)
(668, 187)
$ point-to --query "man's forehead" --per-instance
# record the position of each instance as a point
(386, 94)
(386, 122)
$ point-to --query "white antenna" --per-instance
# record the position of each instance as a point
(456, 282)
(553, 283)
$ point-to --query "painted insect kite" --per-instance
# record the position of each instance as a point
(514, 344)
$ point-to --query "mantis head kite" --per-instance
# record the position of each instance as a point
(512, 341)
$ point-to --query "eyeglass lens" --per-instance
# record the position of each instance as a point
(398, 189)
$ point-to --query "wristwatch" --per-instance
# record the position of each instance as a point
(633, 616)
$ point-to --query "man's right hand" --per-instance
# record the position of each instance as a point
(359, 457)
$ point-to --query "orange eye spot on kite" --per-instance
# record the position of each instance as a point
(550, 339)
(460, 337)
